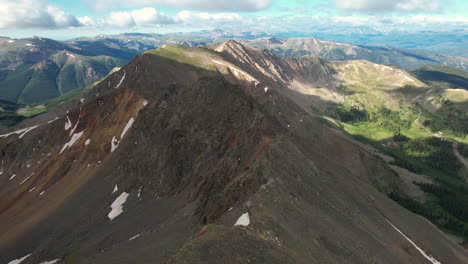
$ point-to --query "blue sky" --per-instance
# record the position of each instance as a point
(72, 18)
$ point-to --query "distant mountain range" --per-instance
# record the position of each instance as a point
(35, 70)
(403, 58)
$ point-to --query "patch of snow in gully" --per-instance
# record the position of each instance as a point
(121, 80)
(114, 143)
(50, 262)
(127, 127)
(117, 206)
(24, 131)
(72, 141)
(27, 178)
(244, 220)
(134, 237)
(18, 261)
(428, 257)
(68, 124)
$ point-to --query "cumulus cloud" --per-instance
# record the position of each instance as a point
(34, 14)
(191, 17)
(147, 16)
(150, 16)
(120, 19)
(207, 5)
(390, 5)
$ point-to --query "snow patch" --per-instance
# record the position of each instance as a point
(12, 177)
(32, 189)
(82, 100)
(74, 128)
(69, 54)
(121, 80)
(244, 220)
(117, 206)
(115, 189)
(27, 178)
(68, 124)
(21, 132)
(134, 237)
(11, 41)
(72, 141)
(265, 89)
(87, 142)
(139, 192)
(18, 261)
(77, 122)
(30, 45)
(127, 127)
(114, 143)
(428, 257)
(42, 193)
(50, 262)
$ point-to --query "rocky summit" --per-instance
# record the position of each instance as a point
(211, 154)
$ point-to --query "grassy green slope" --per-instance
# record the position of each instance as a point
(416, 123)
(199, 57)
(442, 76)
(12, 86)
(42, 86)
(53, 77)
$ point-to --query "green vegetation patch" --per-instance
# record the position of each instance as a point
(199, 57)
(442, 76)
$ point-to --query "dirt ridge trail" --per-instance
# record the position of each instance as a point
(419, 124)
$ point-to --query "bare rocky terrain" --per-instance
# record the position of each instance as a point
(204, 155)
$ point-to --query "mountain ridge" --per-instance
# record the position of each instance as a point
(208, 143)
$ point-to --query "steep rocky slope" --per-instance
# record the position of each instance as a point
(192, 155)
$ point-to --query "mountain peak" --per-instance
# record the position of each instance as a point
(276, 40)
(229, 44)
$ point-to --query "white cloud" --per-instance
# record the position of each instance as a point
(432, 20)
(120, 19)
(34, 14)
(150, 16)
(147, 16)
(418, 5)
(390, 5)
(191, 17)
(87, 22)
(208, 5)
